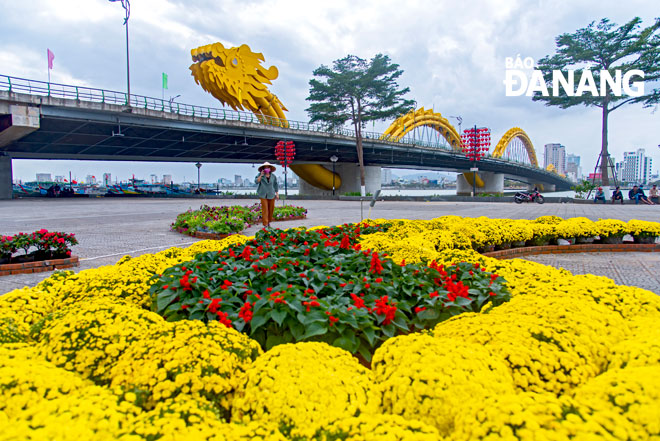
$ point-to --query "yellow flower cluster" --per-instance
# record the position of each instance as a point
(569, 357)
(90, 336)
(185, 357)
(303, 387)
(430, 379)
(377, 427)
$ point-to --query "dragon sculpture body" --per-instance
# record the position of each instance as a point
(236, 77)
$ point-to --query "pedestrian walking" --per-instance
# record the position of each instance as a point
(267, 190)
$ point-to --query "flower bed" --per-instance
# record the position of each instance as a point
(228, 220)
(50, 250)
(568, 357)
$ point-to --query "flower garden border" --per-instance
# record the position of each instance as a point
(42, 266)
(580, 248)
(216, 236)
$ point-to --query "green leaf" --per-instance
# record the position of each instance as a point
(369, 334)
(347, 342)
(364, 351)
(389, 330)
(273, 340)
(278, 316)
(257, 321)
(165, 299)
(428, 314)
(314, 329)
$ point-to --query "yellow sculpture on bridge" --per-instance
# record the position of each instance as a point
(423, 118)
(236, 77)
(510, 135)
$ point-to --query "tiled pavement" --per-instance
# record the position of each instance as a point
(110, 228)
(633, 269)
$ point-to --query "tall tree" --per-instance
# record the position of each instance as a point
(605, 46)
(358, 91)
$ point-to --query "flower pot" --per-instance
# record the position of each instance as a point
(538, 242)
(584, 239)
(518, 243)
(503, 246)
(489, 248)
(644, 239)
(612, 240)
(570, 240)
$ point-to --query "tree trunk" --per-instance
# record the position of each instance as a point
(358, 137)
(604, 154)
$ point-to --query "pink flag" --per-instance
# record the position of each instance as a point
(51, 57)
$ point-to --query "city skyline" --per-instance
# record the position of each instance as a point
(456, 68)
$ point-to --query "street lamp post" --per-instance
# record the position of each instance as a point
(460, 122)
(199, 166)
(413, 126)
(127, 7)
(333, 159)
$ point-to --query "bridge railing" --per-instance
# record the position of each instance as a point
(90, 94)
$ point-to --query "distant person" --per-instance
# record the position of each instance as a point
(600, 195)
(617, 196)
(632, 194)
(267, 190)
(641, 196)
(653, 194)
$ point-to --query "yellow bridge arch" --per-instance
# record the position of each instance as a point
(510, 135)
(423, 118)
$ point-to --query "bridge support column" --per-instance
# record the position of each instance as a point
(350, 181)
(493, 183)
(5, 177)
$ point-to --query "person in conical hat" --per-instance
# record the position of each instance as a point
(267, 190)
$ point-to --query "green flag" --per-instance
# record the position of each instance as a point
(164, 80)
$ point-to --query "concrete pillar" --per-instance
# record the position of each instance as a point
(350, 181)
(493, 183)
(5, 177)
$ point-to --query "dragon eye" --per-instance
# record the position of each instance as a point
(234, 62)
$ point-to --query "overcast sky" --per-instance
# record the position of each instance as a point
(452, 52)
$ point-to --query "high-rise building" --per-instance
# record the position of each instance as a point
(555, 154)
(107, 179)
(167, 179)
(43, 177)
(238, 181)
(90, 180)
(635, 167)
(573, 169)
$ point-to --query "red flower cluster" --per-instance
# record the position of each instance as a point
(386, 308)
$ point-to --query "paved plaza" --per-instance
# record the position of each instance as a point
(109, 228)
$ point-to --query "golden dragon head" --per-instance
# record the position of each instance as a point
(236, 77)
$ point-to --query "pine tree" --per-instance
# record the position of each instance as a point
(605, 46)
(357, 91)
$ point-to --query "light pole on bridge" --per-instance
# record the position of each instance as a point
(127, 7)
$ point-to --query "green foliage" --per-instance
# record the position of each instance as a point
(355, 193)
(228, 219)
(48, 244)
(300, 285)
(357, 91)
(604, 46)
(583, 188)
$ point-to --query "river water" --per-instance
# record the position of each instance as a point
(416, 192)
